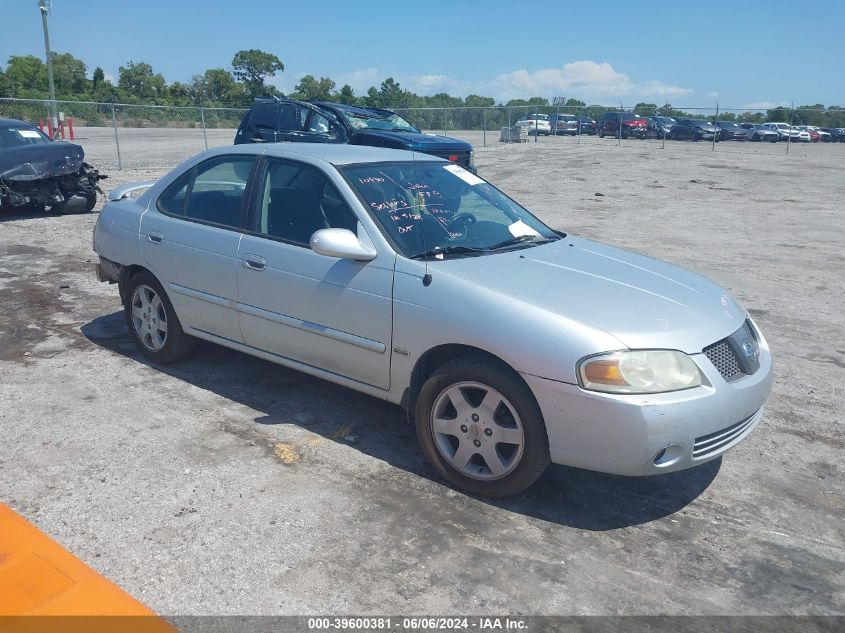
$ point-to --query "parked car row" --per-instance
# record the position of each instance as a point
(702, 129)
(557, 124)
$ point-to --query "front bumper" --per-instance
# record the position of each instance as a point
(625, 434)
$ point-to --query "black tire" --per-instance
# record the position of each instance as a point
(535, 452)
(600, 133)
(177, 344)
(91, 201)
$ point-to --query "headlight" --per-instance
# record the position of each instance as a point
(640, 371)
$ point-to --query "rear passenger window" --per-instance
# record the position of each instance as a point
(211, 192)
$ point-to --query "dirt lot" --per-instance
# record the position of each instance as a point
(225, 484)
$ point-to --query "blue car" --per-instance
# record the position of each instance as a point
(283, 119)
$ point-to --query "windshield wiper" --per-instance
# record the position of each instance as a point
(534, 239)
(455, 249)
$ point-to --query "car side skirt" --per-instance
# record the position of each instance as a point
(382, 394)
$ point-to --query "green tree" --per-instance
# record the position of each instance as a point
(215, 85)
(311, 88)
(178, 92)
(347, 95)
(27, 75)
(5, 85)
(476, 101)
(646, 109)
(253, 67)
(98, 79)
(389, 95)
(69, 74)
(779, 114)
(137, 79)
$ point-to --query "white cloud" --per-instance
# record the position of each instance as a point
(285, 82)
(587, 80)
(764, 105)
(109, 77)
(360, 80)
(713, 94)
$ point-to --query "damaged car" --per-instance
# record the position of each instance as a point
(280, 119)
(38, 172)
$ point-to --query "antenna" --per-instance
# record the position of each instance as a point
(427, 276)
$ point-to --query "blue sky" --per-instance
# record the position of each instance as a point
(745, 54)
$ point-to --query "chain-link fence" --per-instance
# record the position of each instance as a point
(753, 130)
(117, 136)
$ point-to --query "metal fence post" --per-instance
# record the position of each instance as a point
(791, 120)
(619, 138)
(202, 119)
(715, 124)
(484, 125)
(445, 114)
(116, 139)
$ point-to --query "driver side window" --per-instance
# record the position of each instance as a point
(297, 200)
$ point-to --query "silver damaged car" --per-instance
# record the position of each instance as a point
(406, 277)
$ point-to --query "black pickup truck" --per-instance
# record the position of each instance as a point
(283, 119)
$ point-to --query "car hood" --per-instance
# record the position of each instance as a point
(643, 302)
(412, 140)
(43, 160)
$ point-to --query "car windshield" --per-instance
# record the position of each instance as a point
(727, 125)
(437, 209)
(628, 116)
(361, 119)
(20, 135)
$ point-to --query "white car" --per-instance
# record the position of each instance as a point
(826, 137)
(787, 131)
(536, 124)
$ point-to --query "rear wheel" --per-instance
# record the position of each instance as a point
(481, 428)
(152, 321)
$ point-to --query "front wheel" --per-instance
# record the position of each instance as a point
(481, 428)
(152, 321)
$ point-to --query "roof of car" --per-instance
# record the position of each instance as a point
(353, 109)
(14, 122)
(334, 153)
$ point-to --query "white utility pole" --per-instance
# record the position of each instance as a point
(44, 6)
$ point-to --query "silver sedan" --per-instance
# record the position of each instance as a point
(404, 276)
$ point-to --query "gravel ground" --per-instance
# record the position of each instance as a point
(228, 485)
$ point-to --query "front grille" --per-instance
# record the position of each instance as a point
(707, 445)
(725, 357)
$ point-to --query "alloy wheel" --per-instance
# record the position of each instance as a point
(477, 431)
(149, 318)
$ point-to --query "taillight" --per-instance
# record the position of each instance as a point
(453, 158)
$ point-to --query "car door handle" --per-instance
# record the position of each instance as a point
(155, 237)
(254, 262)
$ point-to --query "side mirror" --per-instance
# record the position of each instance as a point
(341, 243)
